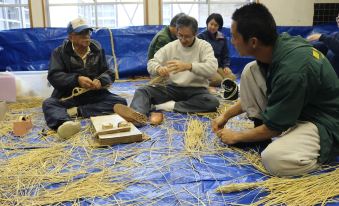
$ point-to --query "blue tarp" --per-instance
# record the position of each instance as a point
(162, 173)
(30, 49)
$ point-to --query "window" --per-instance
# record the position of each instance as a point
(98, 13)
(200, 9)
(14, 14)
(325, 13)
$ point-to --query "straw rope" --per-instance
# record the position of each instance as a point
(116, 66)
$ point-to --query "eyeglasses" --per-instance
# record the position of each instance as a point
(84, 33)
(181, 37)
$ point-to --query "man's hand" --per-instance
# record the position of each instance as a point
(176, 66)
(218, 123)
(96, 84)
(227, 71)
(228, 136)
(313, 37)
(163, 71)
(85, 82)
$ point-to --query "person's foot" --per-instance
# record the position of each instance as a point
(212, 90)
(72, 112)
(130, 115)
(156, 118)
(68, 129)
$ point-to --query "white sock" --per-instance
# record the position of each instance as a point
(167, 106)
(72, 112)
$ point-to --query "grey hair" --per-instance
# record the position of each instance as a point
(188, 21)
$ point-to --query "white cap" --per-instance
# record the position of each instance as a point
(77, 25)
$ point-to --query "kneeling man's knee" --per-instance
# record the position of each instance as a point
(284, 162)
(276, 162)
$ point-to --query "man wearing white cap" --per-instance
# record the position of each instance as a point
(78, 62)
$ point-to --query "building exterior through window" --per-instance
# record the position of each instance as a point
(201, 9)
(98, 13)
(14, 14)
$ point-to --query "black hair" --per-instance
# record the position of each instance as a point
(218, 18)
(188, 21)
(255, 20)
(175, 18)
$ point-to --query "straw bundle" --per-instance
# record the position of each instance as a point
(26, 103)
(238, 187)
(309, 190)
(36, 158)
(221, 109)
(158, 80)
(94, 185)
(38, 165)
(195, 136)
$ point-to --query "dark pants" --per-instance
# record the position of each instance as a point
(92, 103)
(188, 99)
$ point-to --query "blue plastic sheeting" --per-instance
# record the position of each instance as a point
(30, 49)
(162, 173)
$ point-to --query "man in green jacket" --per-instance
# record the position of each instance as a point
(291, 88)
(164, 36)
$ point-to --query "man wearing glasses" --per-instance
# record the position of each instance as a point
(78, 63)
(328, 44)
(186, 63)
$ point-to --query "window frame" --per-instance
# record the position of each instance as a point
(95, 5)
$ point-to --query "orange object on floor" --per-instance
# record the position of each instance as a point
(21, 127)
(156, 118)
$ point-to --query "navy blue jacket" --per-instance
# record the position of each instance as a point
(219, 44)
(329, 45)
(66, 66)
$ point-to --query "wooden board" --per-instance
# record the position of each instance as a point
(117, 135)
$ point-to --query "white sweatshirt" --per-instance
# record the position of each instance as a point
(200, 54)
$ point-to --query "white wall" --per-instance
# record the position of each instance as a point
(285, 12)
(293, 12)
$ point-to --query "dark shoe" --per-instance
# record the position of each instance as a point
(257, 122)
(156, 118)
(130, 115)
(230, 88)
